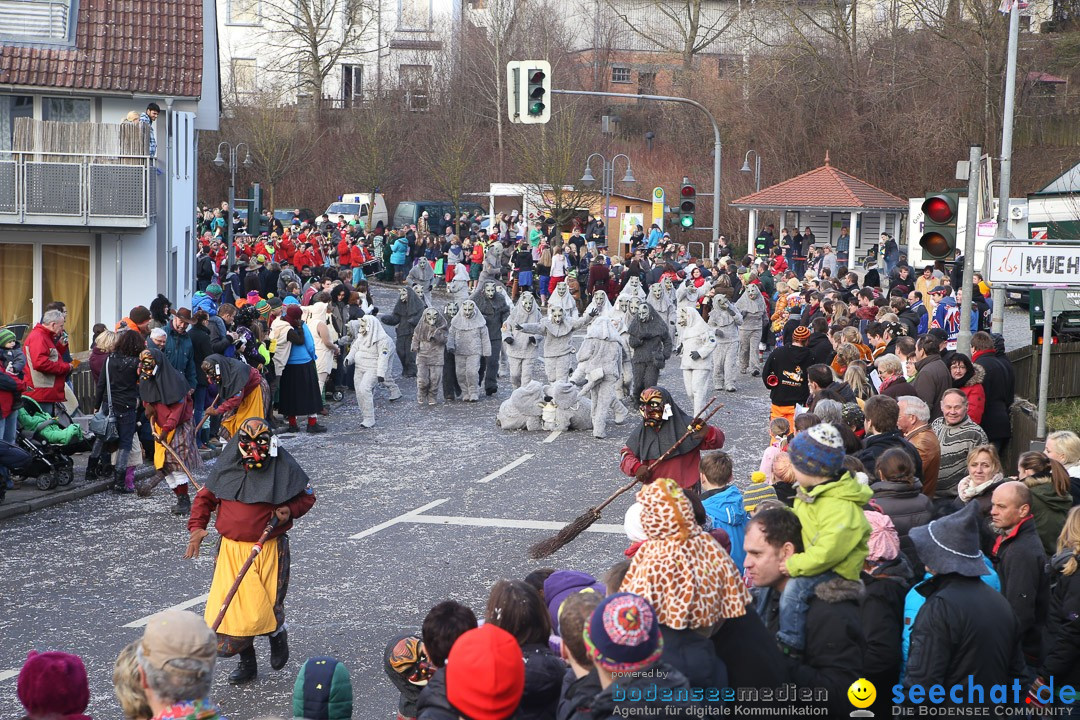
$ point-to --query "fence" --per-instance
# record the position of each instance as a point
(1064, 371)
(1024, 425)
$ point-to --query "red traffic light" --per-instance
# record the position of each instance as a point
(688, 191)
(536, 76)
(939, 209)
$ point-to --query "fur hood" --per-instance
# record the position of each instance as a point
(840, 590)
(460, 322)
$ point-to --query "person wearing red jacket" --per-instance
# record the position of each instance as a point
(287, 246)
(46, 372)
(315, 248)
(253, 484)
(663, 424)
(344, 254)
(302, 259)
(12, 385)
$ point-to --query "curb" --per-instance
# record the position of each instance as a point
(59, 497)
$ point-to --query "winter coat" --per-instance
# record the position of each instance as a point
(1062, 661)
(975, 393)
(820, 346)
(180, 353)
(429, 342)
(788, 364)
(279, 332)
(693, 655)
(926, 444)
(11, 390)
(45, 372)
(371, 351)
(1021, 564)
(543, 683)
(649, 340)
(123, 379)
(906, 506)
(1049, 510)
(659, 679)
(931, 382)
(882, 613)
(432, 703)
(399, 251)
(725, 508)
(575, 702)
(317, 318)
(696, 337)
(834, 530)
(468, 336)
(202, 301)
(874, 446)
(898, 388)
(955, 441)
(301, 353)
(998, 387)
(964, 628)
(286, 278)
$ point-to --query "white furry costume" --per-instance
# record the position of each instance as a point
(725, 320)
(557, 330)
(522, 410)
(458, 287)
(752, 307)
(660, 300)
(567, 409)
(370, 353)
(564, 299)
(601, 363)
(429, 344)
(521, 347)
(468, 340)
(421, 274)
(633, 288)
(697, 342)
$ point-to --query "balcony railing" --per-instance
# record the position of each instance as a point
(77, 190)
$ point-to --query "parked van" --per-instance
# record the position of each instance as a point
(358, 206)
(409, 211)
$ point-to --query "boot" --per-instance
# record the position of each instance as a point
(246, 670)
(129, 480)
(105, 468)
(183, 505)
(279, 649)
(92, 469)
(118, 484)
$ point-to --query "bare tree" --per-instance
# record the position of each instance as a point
(452, 154)
(690, 26)
(551, 160)
(373, 145)
(277, 138)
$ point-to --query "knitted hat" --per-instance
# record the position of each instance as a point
(139, 314)
(561, 584)
(213, 290)
(623, 635)
(253, 297)
(951, 544)
(801, 334)
(293, 313)
(264, 308)
(323, 691)
(884, 541)
(54, 684)
(6, 336)
(794, 285)
(818, 451)
(485, 674)
(853, 415)
(757, 477)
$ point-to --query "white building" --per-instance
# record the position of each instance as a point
(87, 215)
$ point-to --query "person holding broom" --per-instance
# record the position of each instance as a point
(258, 490)
(243, 389)
(663, 423)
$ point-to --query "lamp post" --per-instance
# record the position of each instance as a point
(757, 168)
(607, 180)
(234, 150)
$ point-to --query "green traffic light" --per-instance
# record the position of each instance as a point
(536, 108)
(686, 221)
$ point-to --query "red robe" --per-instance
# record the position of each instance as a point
(243, 522)
(685, 468)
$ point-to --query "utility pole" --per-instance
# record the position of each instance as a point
(1005, 169)
(963, 340)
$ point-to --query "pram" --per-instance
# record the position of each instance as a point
(50, 442)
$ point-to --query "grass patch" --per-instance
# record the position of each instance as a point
(1063, 415)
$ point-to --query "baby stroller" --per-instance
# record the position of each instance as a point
(50, 441)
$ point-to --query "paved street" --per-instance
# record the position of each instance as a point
(432, 503)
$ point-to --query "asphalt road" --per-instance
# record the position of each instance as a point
(445, 504)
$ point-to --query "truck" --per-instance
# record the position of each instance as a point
(359, 207)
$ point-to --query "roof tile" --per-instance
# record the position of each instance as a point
(825, 188)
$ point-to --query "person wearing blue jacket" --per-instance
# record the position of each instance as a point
(723, 501)
(399, 252)
(654, 236)
(299, 392)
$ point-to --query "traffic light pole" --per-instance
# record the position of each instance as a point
(717, 145)
(963, 340)
(1005, 167)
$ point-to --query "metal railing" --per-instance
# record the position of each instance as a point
(76, 189)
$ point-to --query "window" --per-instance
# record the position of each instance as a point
(243, 75)
(352, 84)
(646, 83)
(414, 15)
(620, 74)
(11, 107)
(416, 79)
(729, 66)
(244, 12)
(49, 22)
(65, 109)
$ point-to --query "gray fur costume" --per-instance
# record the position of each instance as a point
(567, 408)
(422, 274)
(429, 344)
(521, 347)
(601, 362)
(468, 340)
(451, 389)
(752, 307)
(633, 288)
(557, 330)
(660, 300)
(495, 310)
(562, 297)
(725, 320)
(522, 410)
(370, 354)
(405, 317)
(458, 287)
(650, 343)
(493, 264)
(697, 342)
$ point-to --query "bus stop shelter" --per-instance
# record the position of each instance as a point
(828, 200)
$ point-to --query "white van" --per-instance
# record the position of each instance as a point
(359, 206)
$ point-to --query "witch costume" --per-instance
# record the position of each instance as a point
(167, 399)
(243, 388)
(252, 479)
(663, 423)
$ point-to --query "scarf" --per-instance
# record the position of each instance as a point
(191, 710)
(968, 491)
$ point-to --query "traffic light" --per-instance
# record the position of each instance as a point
(528, 84)
(687, 204)
(255, 211)
(938, 240)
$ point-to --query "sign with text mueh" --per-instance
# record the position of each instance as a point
(1037, 264)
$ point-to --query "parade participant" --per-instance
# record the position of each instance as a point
(660, 300)
(725, 319)
(633, 288)
(663, 423)
(299, 385)
(242, 391)
(650, 343)
(429, 344)
(168, 403)
(557, 329)
(697, 342)
(785, 375)
(253, 481)
(451, 389)
(405, 317)
(468, 340)
(422, 274)
(563, 299)
(458, 287)
(492, 304)
(521, 348)
(601, 363)
(601, 302)
(370, 354)
(752, 306)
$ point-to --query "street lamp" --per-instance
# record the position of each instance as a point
(607, 185)
(234, 150)
(757, 168)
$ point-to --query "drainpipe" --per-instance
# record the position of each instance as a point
(170, 271)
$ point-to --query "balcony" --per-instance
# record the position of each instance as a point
(82, 175)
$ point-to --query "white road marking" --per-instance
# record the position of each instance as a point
(506, 468)
(8, 674)
(554, 434)
(398, 519)
(505, 523)
(141, 622)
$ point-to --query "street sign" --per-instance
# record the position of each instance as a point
(1053, 264)
(658, 207)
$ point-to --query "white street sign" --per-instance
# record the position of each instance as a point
(1050, 264)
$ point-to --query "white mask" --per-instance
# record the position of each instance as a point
(489, 290)
(431, 316)
(404, 295)
(557, 315)
(469, 309)
(451, 310)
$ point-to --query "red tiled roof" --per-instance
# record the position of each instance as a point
(1042, 77)
(150, 47)
(825, 188)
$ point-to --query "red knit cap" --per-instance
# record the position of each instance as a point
(485, 674)
(54, 684)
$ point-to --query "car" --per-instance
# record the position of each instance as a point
(408, 212)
